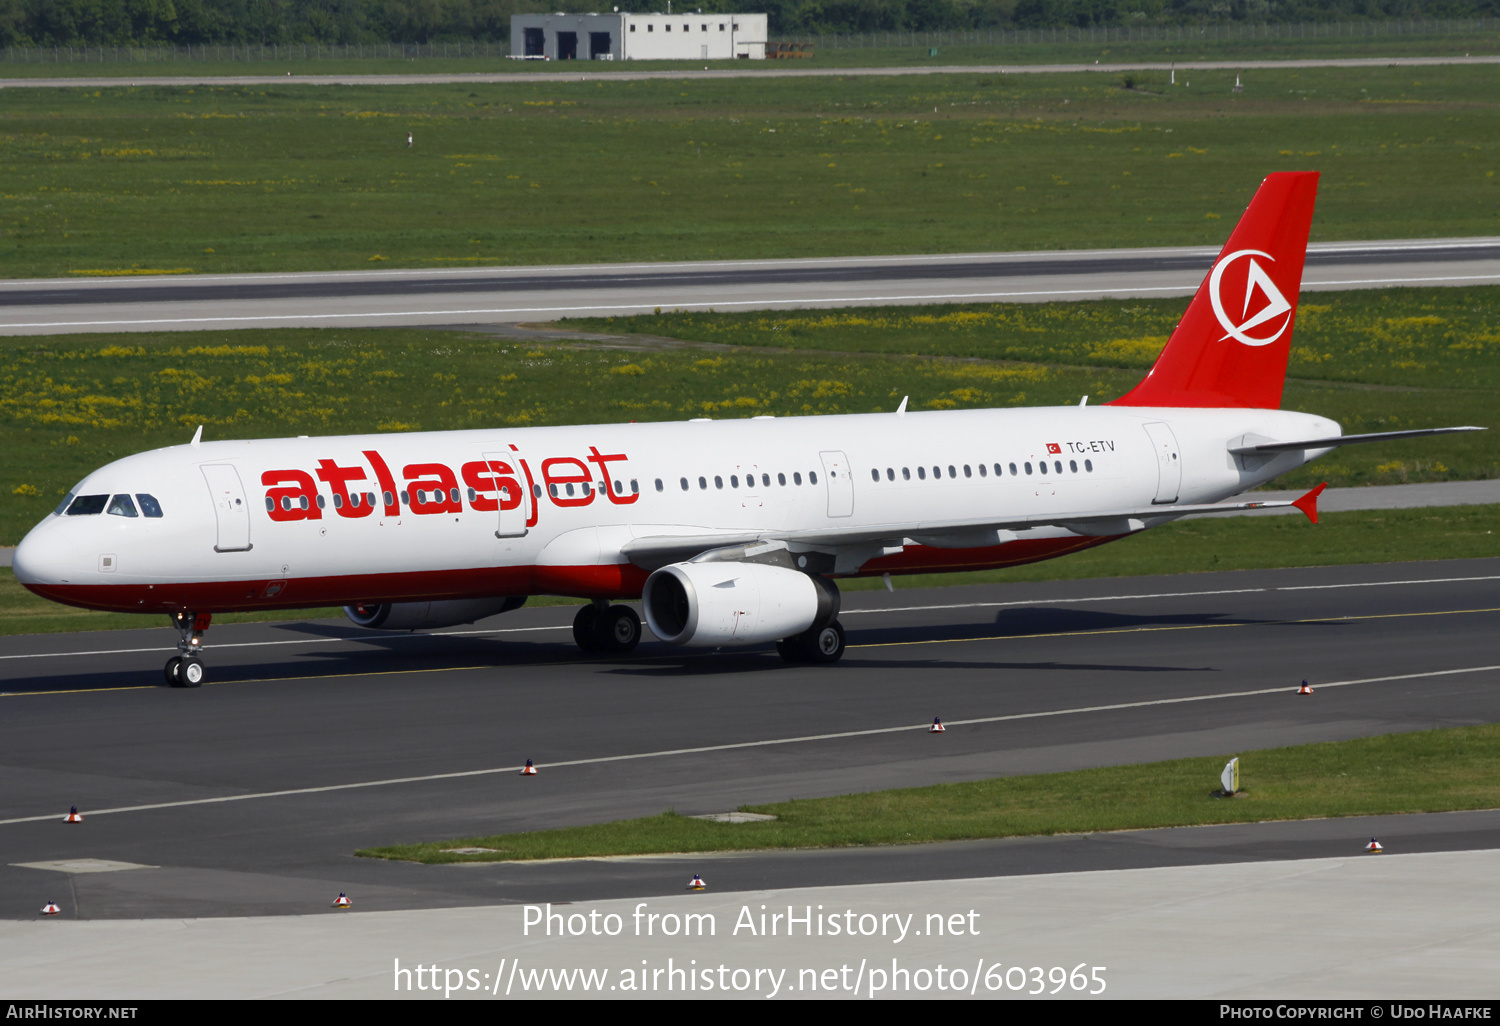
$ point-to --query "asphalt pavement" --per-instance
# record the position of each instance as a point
(250, 795)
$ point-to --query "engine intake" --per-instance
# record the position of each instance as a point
(413, 616)
(714, 604)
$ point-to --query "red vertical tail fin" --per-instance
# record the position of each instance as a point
(1230, 348)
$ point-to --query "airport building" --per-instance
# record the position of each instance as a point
(622, 36)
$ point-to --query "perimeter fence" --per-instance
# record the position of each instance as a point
(997, 37)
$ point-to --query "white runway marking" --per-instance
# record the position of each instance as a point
(905, 728)
(846, 612)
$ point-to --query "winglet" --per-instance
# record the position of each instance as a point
(1309, 503)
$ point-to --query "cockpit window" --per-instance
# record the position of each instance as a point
(62, 505)
(121, 506)
(87, 505)
(149, 506)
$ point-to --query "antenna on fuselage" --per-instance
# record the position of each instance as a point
(1084, 401)
(901, 410)
(197, 437)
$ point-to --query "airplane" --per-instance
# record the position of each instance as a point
(729, 532)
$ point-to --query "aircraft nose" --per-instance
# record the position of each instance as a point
(38, 559)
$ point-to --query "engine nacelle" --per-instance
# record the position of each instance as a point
(413, 616)
(713, 604)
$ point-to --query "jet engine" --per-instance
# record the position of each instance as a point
(713, 604)
(415, 616)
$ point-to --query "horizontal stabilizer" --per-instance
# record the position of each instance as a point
(1267, 448)
(1308, 504)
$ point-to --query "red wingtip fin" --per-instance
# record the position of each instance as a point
(1309, 503)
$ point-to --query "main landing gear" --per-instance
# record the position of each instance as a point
(600, 628)
(821, 645)
(185, 670)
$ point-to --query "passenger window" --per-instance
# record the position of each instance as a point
(812, 477)
(874, 475)
(63, 505)
(781, 480)
(906, 473)
(703, 483)
(270, 504)
(765, 480)
(452, 496)
(951, 471)
(967, 471)
(121, 506)
(536, 491)
(635, 487)
(796, 478)
(985, 473)
(1073, 466)
(734, 480)
(1012, 469)
(390, 499)
(922, 473)
(937, 473)
(87, 505)
(659, 484)
(718, 481)
(569, 487)
(405, 499)
(683, 482)
(321, 504)
(1028, 468)
(890, 474)
(1057, 466)
(1088, 465)
(338, 500)
(286, 502)
(152, 509)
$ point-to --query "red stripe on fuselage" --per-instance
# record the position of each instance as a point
(622, 581)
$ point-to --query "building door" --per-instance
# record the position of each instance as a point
(1168, 462)
(567, 46)
(536, 42)
(513, 493)
(599, 45)
(705, 52)
(230, 509)
(840, 484)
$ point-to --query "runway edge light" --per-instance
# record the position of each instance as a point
(937, 726)
(50, 909)
(1374, 847)
(1229, 780)
(1305, 689)
(529, 770)
(696, 883)
(342, 901)
(73, 816)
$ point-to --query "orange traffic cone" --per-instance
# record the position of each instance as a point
(1374, 847)
(73, 816)
(937, 726)
(697, 883)
(1305, 689)
(342, 901)
(530, 770)
(50, 909)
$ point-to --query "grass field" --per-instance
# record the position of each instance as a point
(1427, 771)
(1231, 543)
(1374, 361)
(122, 180)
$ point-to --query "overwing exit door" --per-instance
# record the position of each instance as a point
(840, 484)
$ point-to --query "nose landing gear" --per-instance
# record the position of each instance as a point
(185, 670)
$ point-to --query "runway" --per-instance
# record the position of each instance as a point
(498, 295)
(311, 740)
(121, 75)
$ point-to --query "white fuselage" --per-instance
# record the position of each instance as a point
(590, 490)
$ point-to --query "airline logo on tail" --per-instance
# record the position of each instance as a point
(1273, 305)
